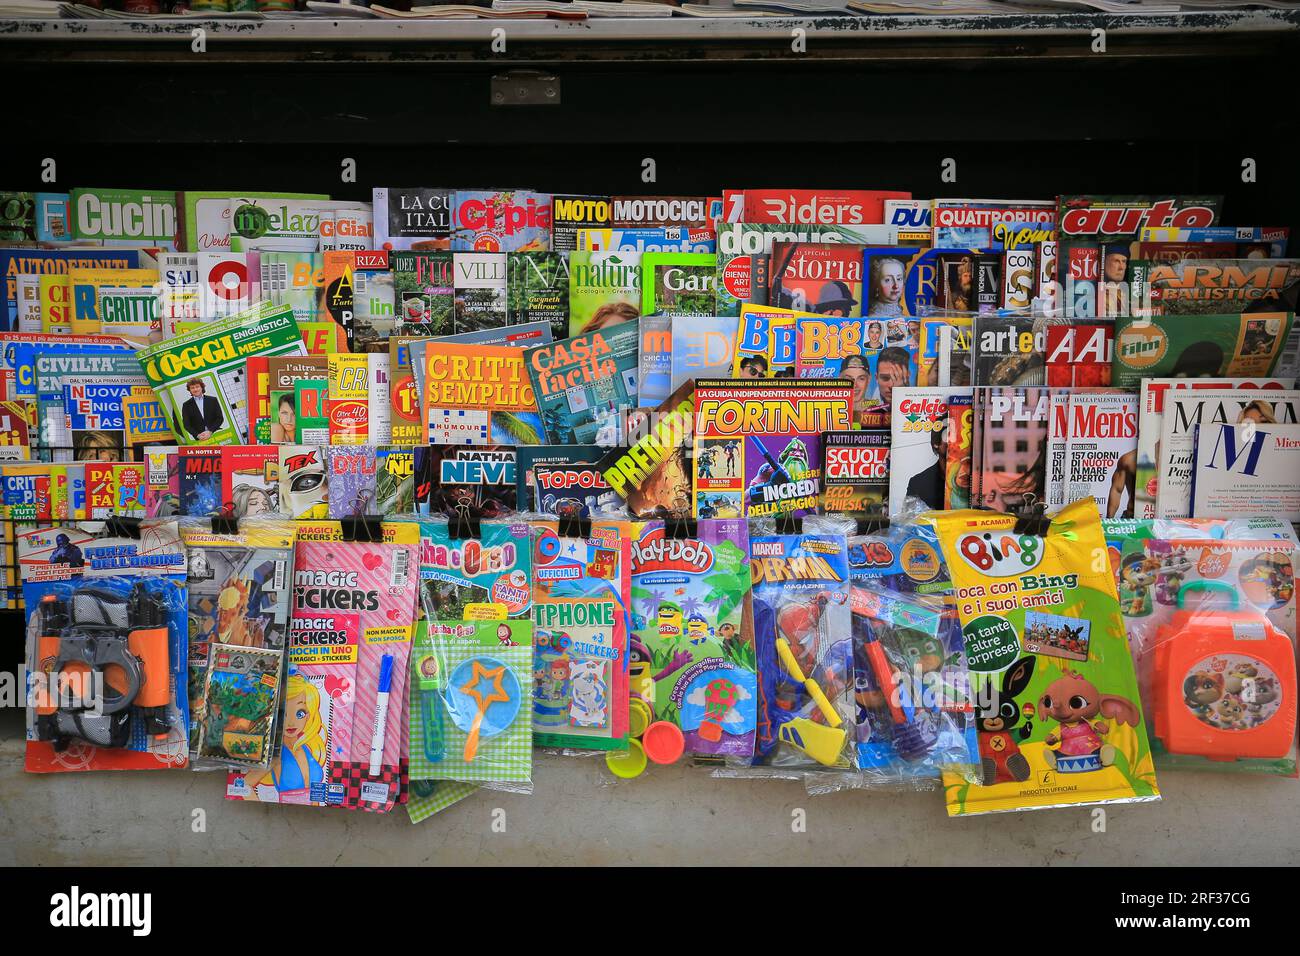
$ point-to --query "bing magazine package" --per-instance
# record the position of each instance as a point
(106, 647)
(1059, 719)
(350, 626)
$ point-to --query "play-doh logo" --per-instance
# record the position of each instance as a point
(655, 552)
(999, 554)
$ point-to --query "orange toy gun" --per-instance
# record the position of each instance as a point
(104, 657)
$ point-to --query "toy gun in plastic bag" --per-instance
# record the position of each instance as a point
(105, 657)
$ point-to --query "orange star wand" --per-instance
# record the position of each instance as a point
(496, 694)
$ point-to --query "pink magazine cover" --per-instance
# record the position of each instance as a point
(353, 606)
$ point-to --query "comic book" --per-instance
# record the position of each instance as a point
(1253, 344)
(1101, 451)
(199, 376)
(537, 290)
(585, 385)
(394, 480)
(856, 466)
(757, 444)
(692, 649)
(1184, 410)
(1026, 599)
(1151, 406)
(414, 218)
(702, 348)
(1012, 433)
(353, 606)
(112, 488)
(652, 475)
(466, 483)
(529, 456)
(572, 490)
(479, 283)
(238, 595)
(581, 595)
(478, 395)
(510, 220)
(605, 289)
(803, 637)
(351, 471)
(570, 215)
(304, 482)
(199, 480)
(250, 485)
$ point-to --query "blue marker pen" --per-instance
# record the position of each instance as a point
(381, 714)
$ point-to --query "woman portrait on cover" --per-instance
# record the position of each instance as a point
(250, 500)
(611, 313)
(284, 427)
(96, 446)
(886, 293)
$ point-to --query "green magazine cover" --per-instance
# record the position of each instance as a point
(604, 289)
(678, 284)
(1200, 346)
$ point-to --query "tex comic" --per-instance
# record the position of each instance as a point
(757, 444)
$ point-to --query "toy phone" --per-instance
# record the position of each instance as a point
(1224, 681)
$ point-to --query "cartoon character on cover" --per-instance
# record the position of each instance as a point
(1201, 691)
(1000, 758)
(1136, 575)
(589, 704)
(302, 754)
(697, 628)
(1073, 701)
(558, 678)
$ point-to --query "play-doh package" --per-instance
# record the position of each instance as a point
(1059, 718)
(350, 627)
(581, 589)
(692, 643)
(804, 644)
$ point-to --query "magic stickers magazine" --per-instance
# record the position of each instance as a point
(581, 590)
(1059, 722)
(692, 654)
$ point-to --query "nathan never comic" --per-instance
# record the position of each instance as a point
(466, 483)
(757, 444)
(692, 652)
(581, 594)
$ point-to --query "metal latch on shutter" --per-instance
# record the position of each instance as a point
(525, 88)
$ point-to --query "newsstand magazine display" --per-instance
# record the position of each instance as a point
(359, 503)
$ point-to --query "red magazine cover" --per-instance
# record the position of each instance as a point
(847, 206)
(1079, 354)
(816, 277)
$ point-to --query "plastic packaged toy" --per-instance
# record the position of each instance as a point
(475, 719)
(804, 645)
(106, 647)
(1059, 719)
(349, 644)
(238, 598)
(1212, 624)
(692, 653)
(581, 588)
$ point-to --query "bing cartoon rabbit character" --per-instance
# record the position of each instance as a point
(1073, 702)
(1000, 758)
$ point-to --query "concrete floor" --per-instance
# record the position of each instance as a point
(578, 815)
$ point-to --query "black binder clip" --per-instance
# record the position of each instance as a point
(225, 522)
(366, 528)
(119, 526)
(681, 526)
(787, 523)
(1031, 518)
(574, 526)
(461, 527)
(873, 520)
